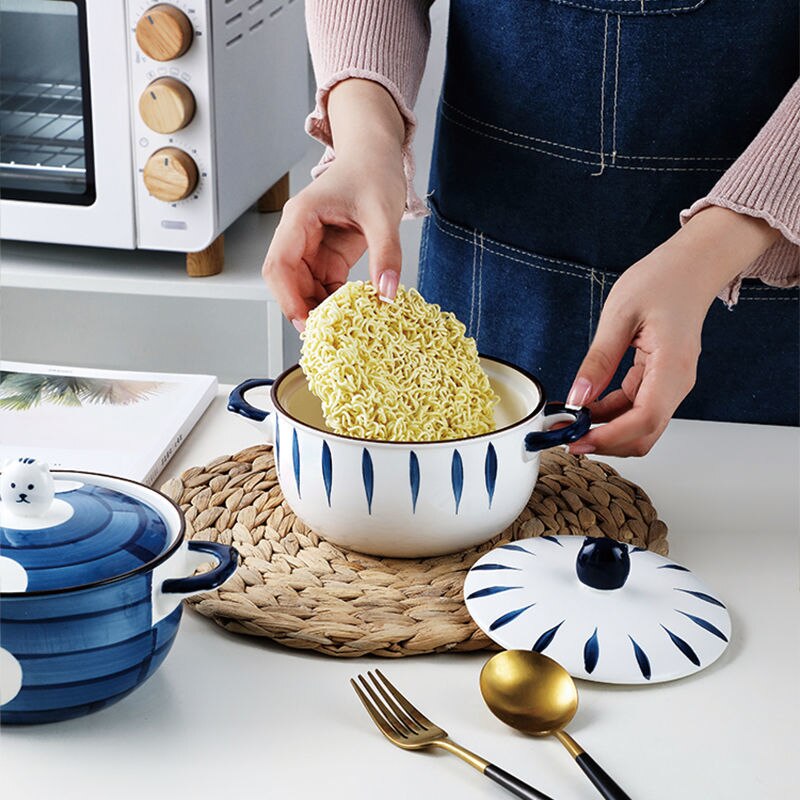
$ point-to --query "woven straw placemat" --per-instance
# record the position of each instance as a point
(304, 592)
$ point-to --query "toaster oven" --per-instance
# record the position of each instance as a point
(132, 124)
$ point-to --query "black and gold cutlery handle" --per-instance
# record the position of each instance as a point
(514, 785)
(505, 779)
(603, 782)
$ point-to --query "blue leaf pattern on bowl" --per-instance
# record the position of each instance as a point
(327, 471)
(367, 476)
(413, 478)
(457, 477)
(490, 471)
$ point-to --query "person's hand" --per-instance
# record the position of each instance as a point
(357, 203)
(658, 306)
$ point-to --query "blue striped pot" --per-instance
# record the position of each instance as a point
(65, 652)
(409, 499)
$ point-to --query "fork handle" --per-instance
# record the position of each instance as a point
(514, 785)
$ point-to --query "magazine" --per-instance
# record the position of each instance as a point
(127, 424)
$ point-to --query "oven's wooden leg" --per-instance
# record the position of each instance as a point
(274, 198)
(208, 261)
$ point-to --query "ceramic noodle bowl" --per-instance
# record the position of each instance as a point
(92, 573)
(409, 499)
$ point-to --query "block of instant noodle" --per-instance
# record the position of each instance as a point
(401, 371)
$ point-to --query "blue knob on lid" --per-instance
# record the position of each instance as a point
(603, 563)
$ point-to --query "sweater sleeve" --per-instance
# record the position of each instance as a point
(386, 42)
(765, 182)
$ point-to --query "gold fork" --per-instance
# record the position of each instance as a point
(407, 727)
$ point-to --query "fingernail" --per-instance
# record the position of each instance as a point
(581, 449)
(579, 393)
(387, 285)
(299, 325)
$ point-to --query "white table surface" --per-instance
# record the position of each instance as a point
(236, 716)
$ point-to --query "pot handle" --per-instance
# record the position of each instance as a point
(238, 405)
(581, 421)
(227, 560)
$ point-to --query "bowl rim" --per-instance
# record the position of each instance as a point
(148, 566)
(278, 407)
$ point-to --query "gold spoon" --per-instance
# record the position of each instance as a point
(536, 695)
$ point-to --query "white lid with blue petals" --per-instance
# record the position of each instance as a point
(604, 610)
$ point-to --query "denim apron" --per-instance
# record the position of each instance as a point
(570, 134)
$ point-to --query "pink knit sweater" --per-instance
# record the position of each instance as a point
(387, 41)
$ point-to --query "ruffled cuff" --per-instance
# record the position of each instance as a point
(385, 42)
(764, 182)
(318, 127)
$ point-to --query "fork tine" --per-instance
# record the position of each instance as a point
(410, 723)
(383, 726)
(390, 718)
(411, 710)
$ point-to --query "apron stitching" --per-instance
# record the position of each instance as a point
(571, 147)
(579, 160)
(642, 6)
(437, 220)
(480, 290)
(769, 299)
(650, 11)
(616, 87)
(423, 251)
(769, 288)
(470, 330)
(603, 103)
(591, 306)
(602, 295)
(512, 258)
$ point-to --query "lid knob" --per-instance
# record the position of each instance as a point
(27, 488)
(603, 563)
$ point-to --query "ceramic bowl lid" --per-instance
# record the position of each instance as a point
(69, 529)
(605, 611)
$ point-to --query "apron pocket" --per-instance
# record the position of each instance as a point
(536, 312)
(541, 313)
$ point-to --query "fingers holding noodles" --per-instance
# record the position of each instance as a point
(401, 371)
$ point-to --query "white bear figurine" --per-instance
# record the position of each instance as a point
(27, 488)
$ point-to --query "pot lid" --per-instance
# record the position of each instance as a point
(65, 530)
(606, 611)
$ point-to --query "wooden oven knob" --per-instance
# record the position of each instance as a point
(166, 105)
(164, 32)
(170, 174)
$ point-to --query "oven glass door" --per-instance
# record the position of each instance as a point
(46, 152)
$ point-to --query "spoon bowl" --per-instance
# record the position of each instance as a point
(529, 691)
(536, 695)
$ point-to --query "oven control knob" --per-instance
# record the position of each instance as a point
(170, 174)
(164, 32)
(166, 105)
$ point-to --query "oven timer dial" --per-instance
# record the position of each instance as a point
(170, 174)
(166, 105)
(164, 32)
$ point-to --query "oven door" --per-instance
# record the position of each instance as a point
(65, 150)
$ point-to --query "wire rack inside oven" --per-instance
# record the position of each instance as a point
(41, 130)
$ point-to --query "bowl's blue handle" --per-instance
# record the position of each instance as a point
(541, 440)
(227, 559)
(238, 405)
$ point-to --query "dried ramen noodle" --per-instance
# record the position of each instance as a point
(401, 371)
